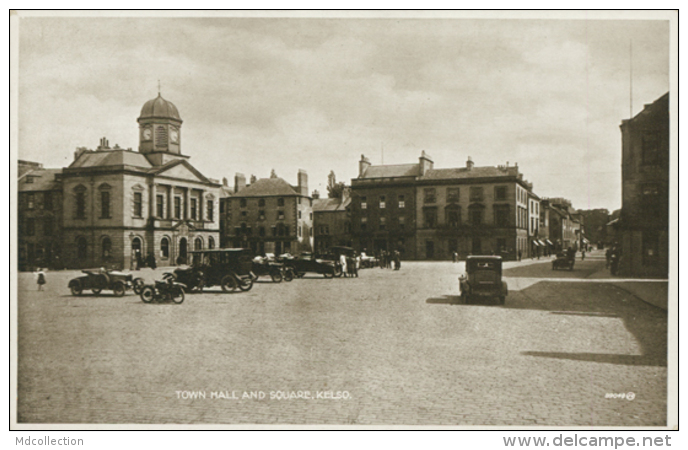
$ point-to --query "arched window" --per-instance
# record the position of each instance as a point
(106, 246)
(198, 244)
(81, 246)
(211, 242)
(165, 248)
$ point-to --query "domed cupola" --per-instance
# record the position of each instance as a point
(159, 130)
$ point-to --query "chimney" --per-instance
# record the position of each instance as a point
(425, 163)
(469, 163)
(346, 193)
(239, 182)
(302, 182)
(363, 165)
(315, 195)
(225, 182)
(79, 151)
(104, 144)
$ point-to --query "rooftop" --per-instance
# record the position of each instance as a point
(39, 180)
(267, 187)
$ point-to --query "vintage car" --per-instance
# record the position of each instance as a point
(307, 263)
(483, 278)
(229, 268)
(98, 280)
(191, 276)
(368, 261)
(564, 261)
(268, 266)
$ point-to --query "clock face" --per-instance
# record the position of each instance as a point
(174, 134)
(147, 133)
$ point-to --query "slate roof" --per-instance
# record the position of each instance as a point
(330, 204)
(475, 172)
(267, 187)
(394, 170)
(101, 158)
(43, 180)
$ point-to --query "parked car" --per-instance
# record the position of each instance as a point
(307, 263)
(368, 261)
(192, 277)
(98, 280)
(268, 266)
(229, 268)
(483, 278)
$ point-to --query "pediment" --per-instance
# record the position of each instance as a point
(183, 171)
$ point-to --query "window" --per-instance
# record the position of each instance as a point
(198, 244)
(48, 226)
(364, 204)
(280, 215)
(164, 248)
(402, 202)
(159, 205)
(476, 216)
(30, 227)
(29, 180)
(476, 194)
(261, 215)
(500, 192)
(160, 136)
(274, 230)
(261, 203)
(211, 241)
(364, 223)
(80, 205)
(30, 201)
(651, 149)
(311, 216)
(106, 248)
(177, 207)
(429, 195)
(261, 231)
(453, 216)
(242, 203)
(383, 223)
(402, 222)
(48, 200)
(244, 213)
(452, 195)
(193, 203)
(501, 215)
(211, 213)
(383, 202)
(299, 230)
(430, 217)
(138, 204)
(299, 214)
(280, 202)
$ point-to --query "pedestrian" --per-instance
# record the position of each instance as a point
(350, 266)
(455, 257)
(151, 261)
(583, 254)
(397, 260)
(608, 256)
(342, 262)
(139, 260)
(520, 253)
(133, 265)
(40, 278)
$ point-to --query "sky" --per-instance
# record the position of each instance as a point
(257, 94)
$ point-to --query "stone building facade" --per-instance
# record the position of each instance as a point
(269, 216)
(644, 222)
(331, 222)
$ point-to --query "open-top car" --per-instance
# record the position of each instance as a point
(229, 268)
(483, 278)
(307, 263)
(564, 261)
(268, 266)
(98, 280)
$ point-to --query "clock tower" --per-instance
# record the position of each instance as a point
(160, 131)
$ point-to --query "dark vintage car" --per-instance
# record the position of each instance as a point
(98, 280)
(229, 268)
(307, 263)
(269, 267)
(564, 261)
(483, 278)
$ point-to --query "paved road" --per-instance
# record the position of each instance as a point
(394, 341)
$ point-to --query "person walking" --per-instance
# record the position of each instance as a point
(40, 278)
(397, 260)
(520, 253)
(342, 262)
(150, 260)
(583, 254)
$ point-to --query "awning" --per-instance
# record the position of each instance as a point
(541, 243)
(586, 241)
(536, 244)
(549, 242)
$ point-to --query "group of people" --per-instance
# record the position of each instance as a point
(350, 265)
(137, 261)
(390, 260)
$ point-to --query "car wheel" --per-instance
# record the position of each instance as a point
(138, 285)
(76, 288)
(288, 275)
(276, 277)
(228, 283)
(328, 274)
(147, 294)
(96, 291)
(200, 284)
(177, 296)
(118, 289)
(245, 284)
(338, 272)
